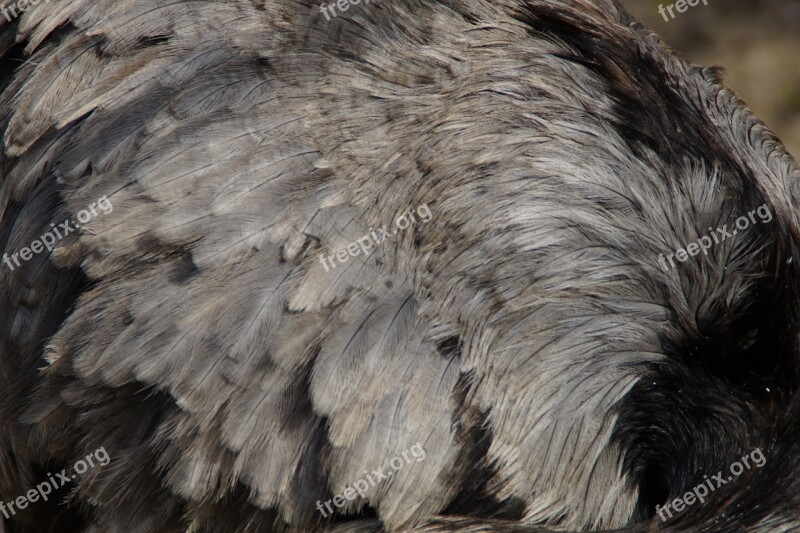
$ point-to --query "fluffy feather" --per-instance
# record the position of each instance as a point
(555, 375)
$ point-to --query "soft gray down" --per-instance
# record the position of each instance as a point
(198, 319)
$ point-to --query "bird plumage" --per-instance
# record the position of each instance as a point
(525, 335)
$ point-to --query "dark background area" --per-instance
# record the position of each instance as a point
(756, 41)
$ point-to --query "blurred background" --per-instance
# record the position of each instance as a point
(756, 41)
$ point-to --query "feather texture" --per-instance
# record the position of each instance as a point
(241, 371)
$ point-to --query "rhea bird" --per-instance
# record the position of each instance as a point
(525, 335)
